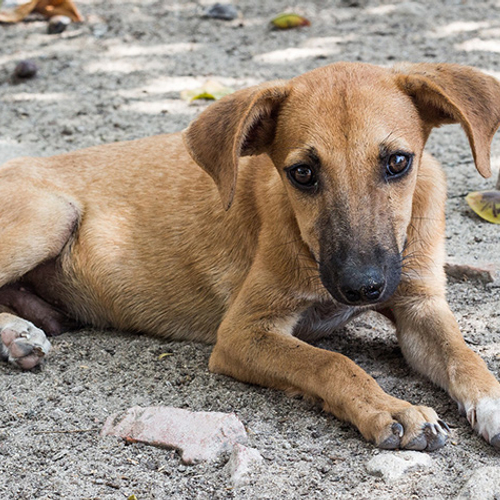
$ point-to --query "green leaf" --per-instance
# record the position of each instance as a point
(211, 89)
(289, 20)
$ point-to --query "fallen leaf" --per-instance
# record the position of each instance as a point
(289, 20)
(211, 89)
(48, 8)
(165, 354)
(486, 204)
(132, 497)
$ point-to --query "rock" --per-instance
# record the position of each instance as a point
(25, 70)
(198, 436)
(353, 3)
(57, 24)
(484, 484)
(393, 465)
(226, 11)
(242, 463)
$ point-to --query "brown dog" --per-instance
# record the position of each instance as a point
(337, 210)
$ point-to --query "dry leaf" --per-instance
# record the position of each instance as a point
(209, 90)
(48, 8)
(289, 20)
(486, 204)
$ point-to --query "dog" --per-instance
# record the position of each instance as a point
(315, 201)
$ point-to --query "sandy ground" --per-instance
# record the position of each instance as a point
(117, 77)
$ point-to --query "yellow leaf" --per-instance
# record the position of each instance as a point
(164, 355)
(211, 89)
(289, 20)
(132, 497)
(486, 204)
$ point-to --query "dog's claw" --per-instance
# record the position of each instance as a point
(435, 436)
(432, 437)
(392, 442)
(444, 426)
(415, 428)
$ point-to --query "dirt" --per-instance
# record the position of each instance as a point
(118, 76)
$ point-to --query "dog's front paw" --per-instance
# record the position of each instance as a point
(22, 343)
(414, 428)
(484, 417)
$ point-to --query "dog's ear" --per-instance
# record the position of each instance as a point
(240, 124)
(450, 93)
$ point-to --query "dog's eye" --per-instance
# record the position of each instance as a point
(302, 176)
(398, 164)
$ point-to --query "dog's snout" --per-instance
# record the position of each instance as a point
(362, 286)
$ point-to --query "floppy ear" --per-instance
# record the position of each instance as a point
(240, 124)
(450, 93)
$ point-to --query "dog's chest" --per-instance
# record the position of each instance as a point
(320, 320)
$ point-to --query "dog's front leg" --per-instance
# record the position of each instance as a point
(427, 330)
(432, 343)
(255, 345)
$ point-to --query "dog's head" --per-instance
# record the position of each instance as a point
(347, 140)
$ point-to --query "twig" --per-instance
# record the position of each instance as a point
(73, 431)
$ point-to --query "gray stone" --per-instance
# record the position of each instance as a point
(198, 436)
(242, 463)
(484, 484)
(226, 12)
(353, 3)
(391, 466)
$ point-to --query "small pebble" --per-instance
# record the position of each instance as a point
(226, 11)
(57, 24)
(25, 69)
(353, 3)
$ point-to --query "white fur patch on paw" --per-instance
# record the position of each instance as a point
(485, 417)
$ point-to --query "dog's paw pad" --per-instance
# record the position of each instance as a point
(22, 343)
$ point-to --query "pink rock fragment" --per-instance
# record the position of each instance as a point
(482, 272)
(198, 436)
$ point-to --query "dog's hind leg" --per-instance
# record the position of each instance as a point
(35, 226)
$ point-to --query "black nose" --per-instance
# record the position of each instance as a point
(363, 286)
